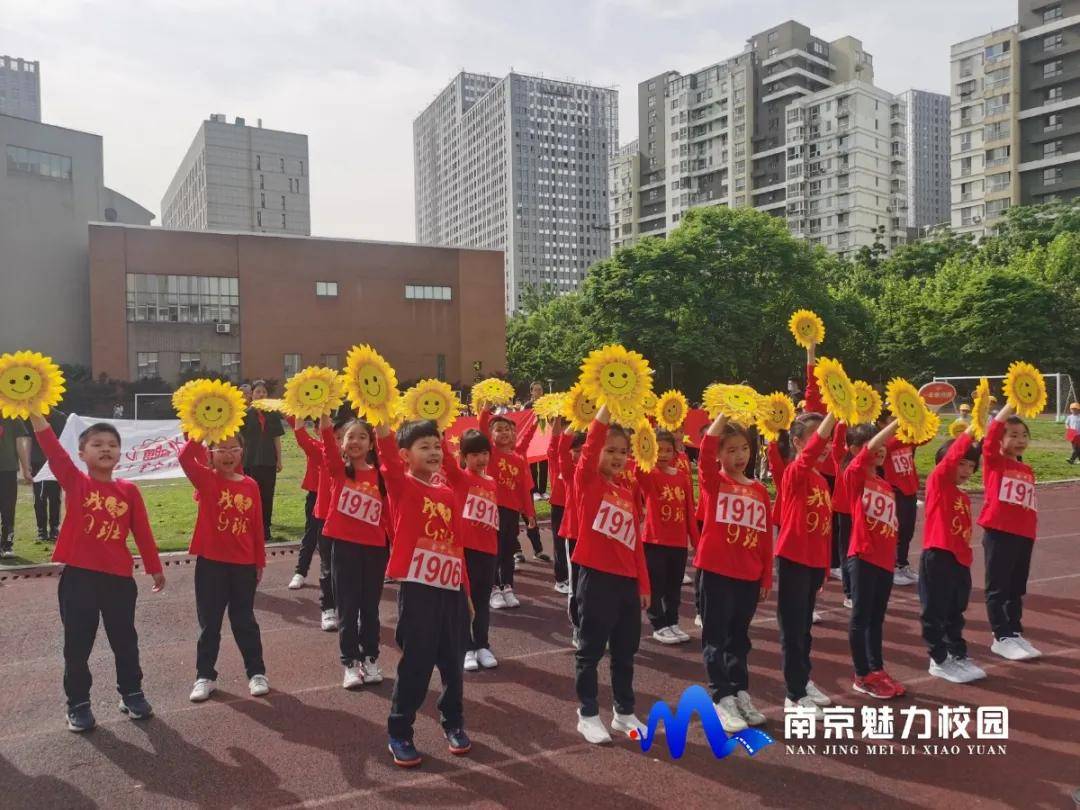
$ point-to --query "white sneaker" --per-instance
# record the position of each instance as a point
(627, 723)
(748, 710)
(947, 670)
(697, 620)
(816, 618)
(1031, 651)
(497, 600)
(258, 685)
(592, 729)
(728, 712)
(296, 583)
(509, 598)
(470, 661)
(369, 667)
(353, 679)
(816, 695)
(562, 587)
(678, 633)
(973, 670)
(687, 579)
(665, 636)
(486, 659)
(834, 573)
(328, 620)
(1009, 648)
(848, 603)
(903, 575)
(204, 687)
(803, 703)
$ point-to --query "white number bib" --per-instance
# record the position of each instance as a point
(615, 522)
(359, 506)
(437, 570)
(880, 507)
(902, 462)
(740, 510)
(481, 510)
(1017, 491)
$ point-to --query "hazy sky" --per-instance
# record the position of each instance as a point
(353, 74)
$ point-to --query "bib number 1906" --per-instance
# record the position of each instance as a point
(438, 570)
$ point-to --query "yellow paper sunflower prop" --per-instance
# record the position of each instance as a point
(434, 400)
(918, 423)
(807, 328)
(313, 393)
(957, 427)
(671, 410)
(211, 410)
(181, 392)
(775, 413)
(739, 403)
(980, 408)
(643, 445)
(867, 403)
(371, 384)
(837, 392)
(648, 403)
(618, 378)
(549, 406)
(579, 408)
(1025, 389)
(30, 383)
(269, 405)
(491, 391)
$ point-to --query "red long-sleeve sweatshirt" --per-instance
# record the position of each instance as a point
(1010, 504)
(806, 520)
(948, 508)
(355, 509)
(476, 504)
(229, 525)
(873, 512)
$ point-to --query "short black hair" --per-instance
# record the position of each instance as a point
(973, 453)
(238, 436)
(344, 421)
(473, 441)
(578, 440)
(858, 435)
(667, 436)
(619, 430)
(257, 383)
(98, 427)
(500, 418)
(1016, 420)
(412, 432)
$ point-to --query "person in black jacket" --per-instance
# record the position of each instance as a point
(46, 493)
(262, 432)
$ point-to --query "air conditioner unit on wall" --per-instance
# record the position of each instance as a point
(223, 328)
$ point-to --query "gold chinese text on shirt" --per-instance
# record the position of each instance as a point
(233, 508)
(102, 517)
(438, 526)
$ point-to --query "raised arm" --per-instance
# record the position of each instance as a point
(993, 456)
(588, 466)
(814, 402)
(525, 435)
(450, 465)
(60, 463)
(193, 462)
(708, 453)
(390, 464)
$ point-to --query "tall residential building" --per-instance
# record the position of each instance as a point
(623, 212)
(20, 88)
(51, 187)
(927, 135)
(721, 135)
(236, 177)
(1016, 115)
(519, 164)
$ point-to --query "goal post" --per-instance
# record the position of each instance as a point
(1060, 390)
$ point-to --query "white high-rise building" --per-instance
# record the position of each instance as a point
(927, 134)
(20, 88)
(236, 177)
(520, 164)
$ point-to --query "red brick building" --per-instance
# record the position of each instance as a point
(250, 305)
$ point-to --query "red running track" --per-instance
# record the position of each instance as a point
(310, 743)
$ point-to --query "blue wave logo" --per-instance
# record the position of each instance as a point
(697, 700)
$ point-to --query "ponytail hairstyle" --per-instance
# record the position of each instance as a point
(345, 425)
(804, 424)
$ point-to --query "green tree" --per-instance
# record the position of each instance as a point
(547, 339)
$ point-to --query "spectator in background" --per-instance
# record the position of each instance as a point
(794, 389)
(46, 493)
(540, 468)
(117, 412)
(14, 458)
(262, 434)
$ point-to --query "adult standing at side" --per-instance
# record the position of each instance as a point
(46, 493)
(539, 468)
(14, 458)
(262, 432)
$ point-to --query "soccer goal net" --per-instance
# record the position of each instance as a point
(1059, 391)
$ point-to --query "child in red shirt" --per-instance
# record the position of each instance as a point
(734, 557)
(96, 583)
(613, 581)
(313, 458)
(569, 451)
(476, 506)
(945, 565)
(514, 480)
(558, 507)
(354, 527)
(871, 556)
(827, 468)
(433, 600)
(1009, 516)
(229, 547)
(903, 477)
(313, 450)
(803, 552)
(669, 526)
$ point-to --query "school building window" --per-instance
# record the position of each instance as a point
(182, 299)
(38, 164)
(292, 364)
(331, 361)
(326, 289)
(230, 365)
(420, 292)
(190, 361)
(146, 365)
